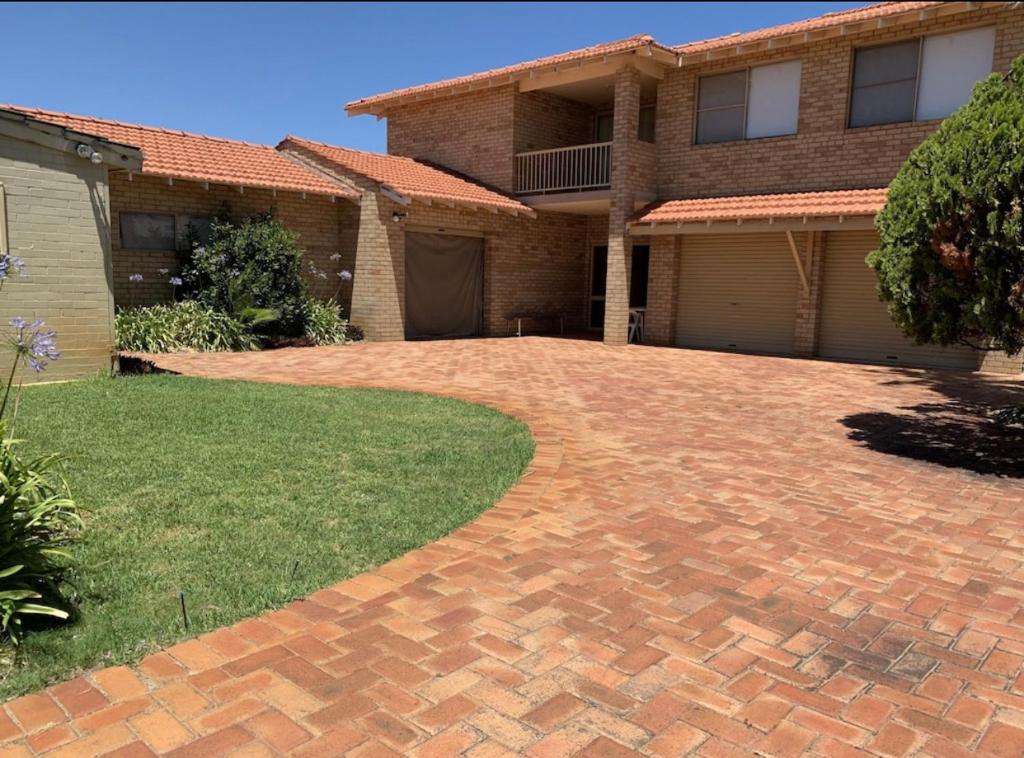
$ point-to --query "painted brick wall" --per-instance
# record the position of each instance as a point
(322, 227)
(57, 209)
(470, 133)
(824, 154)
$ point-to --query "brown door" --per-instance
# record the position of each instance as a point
(444, 284)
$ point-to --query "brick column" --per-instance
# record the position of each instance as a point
(624, 186)
(662, 290)
(808, 302)
(378, 283)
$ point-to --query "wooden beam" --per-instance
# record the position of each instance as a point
(798, 260)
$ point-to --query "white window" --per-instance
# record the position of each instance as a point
(918, 79)
(758, 102)
(951, 64)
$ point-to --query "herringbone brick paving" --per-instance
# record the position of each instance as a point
(700, 559)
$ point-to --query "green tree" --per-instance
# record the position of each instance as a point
(950, 263)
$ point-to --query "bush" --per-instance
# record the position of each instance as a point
(38, 520)
(249, 270)
(324, 324)
(173, 327)
(951, 259)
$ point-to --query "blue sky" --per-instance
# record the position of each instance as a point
(263, 70)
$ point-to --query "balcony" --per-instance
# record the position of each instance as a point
(580, 168)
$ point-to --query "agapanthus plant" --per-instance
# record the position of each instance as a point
(31, 345)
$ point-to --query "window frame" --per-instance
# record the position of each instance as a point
(852, 70)
(746, 103)
(180, 221)
(652, 107)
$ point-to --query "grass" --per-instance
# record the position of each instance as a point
(244, 496)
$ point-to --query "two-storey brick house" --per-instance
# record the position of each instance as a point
(720, 192)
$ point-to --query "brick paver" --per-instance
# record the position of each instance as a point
(699, 559)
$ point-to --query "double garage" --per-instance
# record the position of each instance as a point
(740, 292)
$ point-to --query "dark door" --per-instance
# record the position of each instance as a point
(598, 279)
(444, 284)
(638, 276)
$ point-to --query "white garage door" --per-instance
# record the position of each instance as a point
(737, 292)
(855, 325)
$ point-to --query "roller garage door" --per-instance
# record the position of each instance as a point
(737, 292)
(855, 324)
(444, 284)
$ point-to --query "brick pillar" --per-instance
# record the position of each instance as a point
(662, 290)
(378, 283)
(808, 302)
(624, 186)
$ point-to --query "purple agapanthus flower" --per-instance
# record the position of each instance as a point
(164, 271)
(135, 278)
(336, 257)
(175, 281)
(11, 264)
(33, 343)
(345, 275)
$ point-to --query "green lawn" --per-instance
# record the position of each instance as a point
(245, 496)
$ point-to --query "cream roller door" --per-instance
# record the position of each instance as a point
(737, 292)
(855, 324)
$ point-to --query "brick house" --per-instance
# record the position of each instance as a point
(718, 194)
(723, 190)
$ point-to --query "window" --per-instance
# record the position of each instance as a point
(646, 124)
(147, 231)
(758, 102)
(162, 231)
(604, 126)
(919, 79)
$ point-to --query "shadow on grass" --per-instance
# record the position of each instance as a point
(957, 432)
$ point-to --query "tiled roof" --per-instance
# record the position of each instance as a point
(854, 15)
(181, 155)
(636, 42)
(863, 202)
(409, 177)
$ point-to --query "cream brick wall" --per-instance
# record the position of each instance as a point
(323, 228)
(57, 215)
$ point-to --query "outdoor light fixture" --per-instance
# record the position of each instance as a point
(86, 151)
(396, 216)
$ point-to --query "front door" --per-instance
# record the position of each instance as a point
(598, 279)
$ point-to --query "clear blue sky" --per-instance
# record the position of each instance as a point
(260, 71)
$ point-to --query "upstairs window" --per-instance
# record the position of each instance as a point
(919, 79)
(763, 101)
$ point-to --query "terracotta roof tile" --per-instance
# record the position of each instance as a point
(862, 202)
(195, 157)
(854, 15)
(409, 177)
(636, 42)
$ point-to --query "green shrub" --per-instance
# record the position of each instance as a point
(251, 271)
(38, 520)
(173, 327)
(950, 262)
(324, 324)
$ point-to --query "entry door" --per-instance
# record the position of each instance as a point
(444, 284)
(598, 280)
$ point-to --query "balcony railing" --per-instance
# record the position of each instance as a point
(564, 169)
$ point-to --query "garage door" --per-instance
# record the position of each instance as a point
(855, 325)
(444, 284)
(737, 292)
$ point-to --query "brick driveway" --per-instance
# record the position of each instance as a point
(714, 553)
